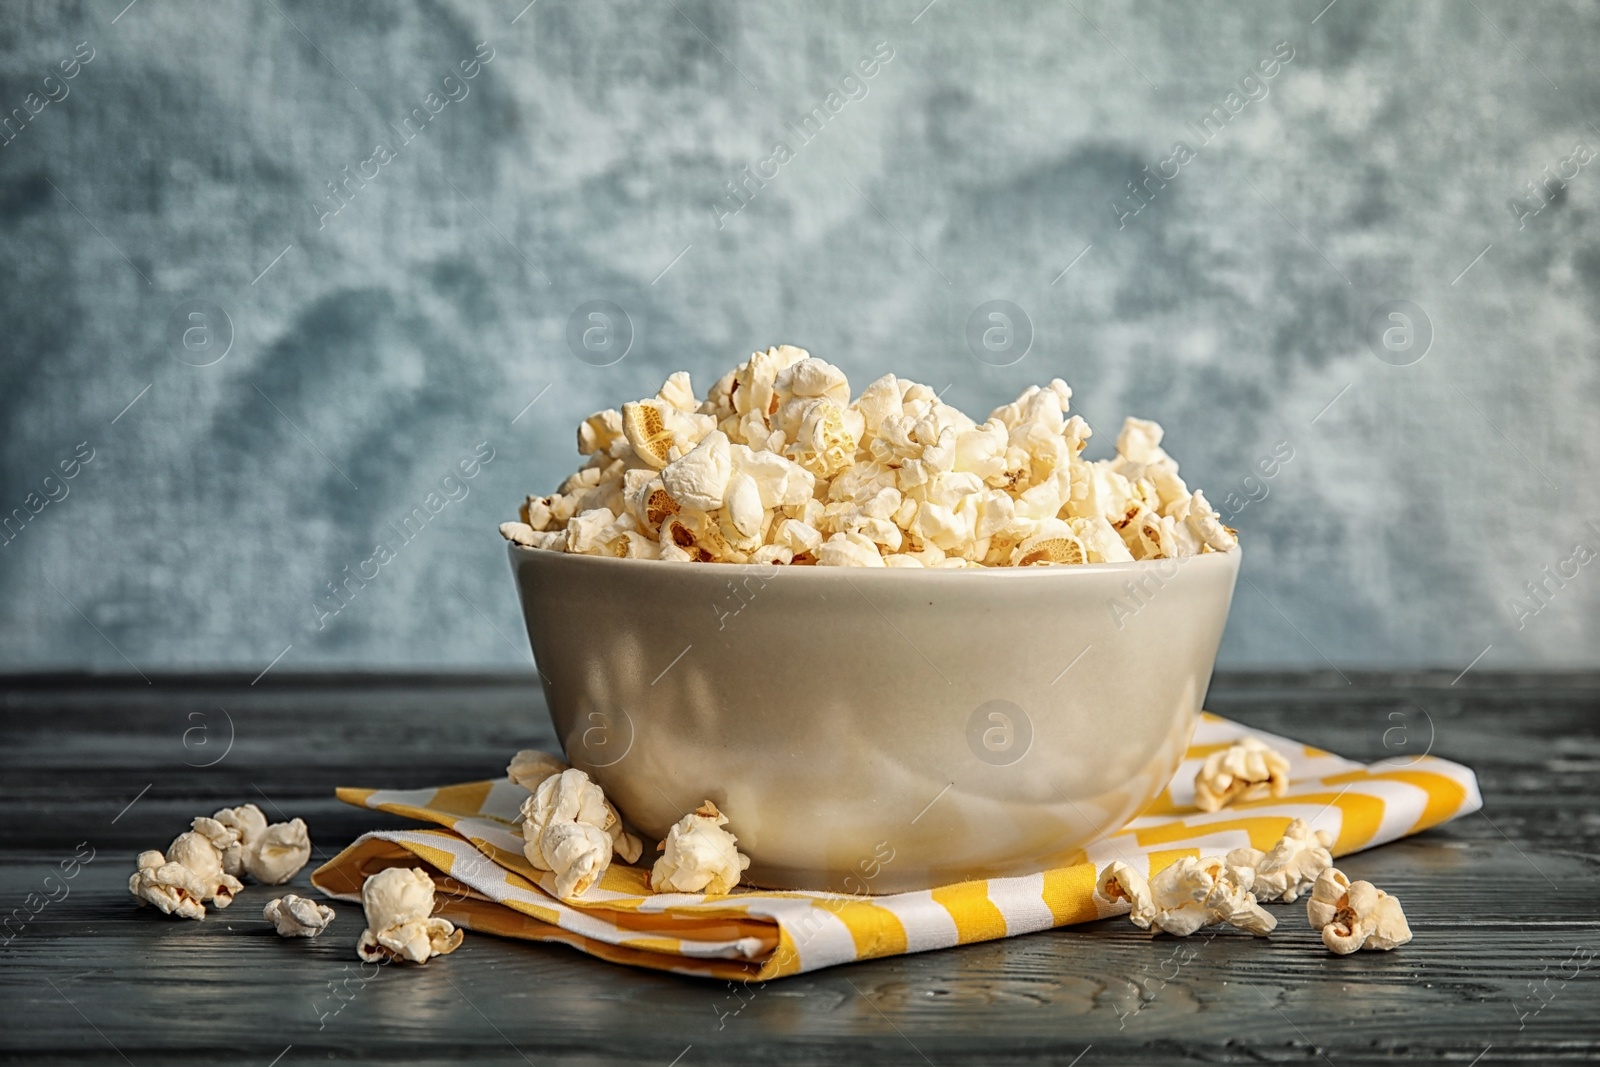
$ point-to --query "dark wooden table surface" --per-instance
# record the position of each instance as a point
(1503, 904)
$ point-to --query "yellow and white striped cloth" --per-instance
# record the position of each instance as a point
(755, 935)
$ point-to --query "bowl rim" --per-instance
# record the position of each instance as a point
(1034, 574)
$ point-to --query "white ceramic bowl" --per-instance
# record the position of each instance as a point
(878, 730)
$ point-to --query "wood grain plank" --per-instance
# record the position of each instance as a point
(94, 979)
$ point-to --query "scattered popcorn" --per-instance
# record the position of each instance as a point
(1325, 893)
(530, 767)
(227, 833)
(1121, 882)
(570, 828)
(297, 916)
(269, 854)
(778, 465)
(1355, 915)
(204, 864)
(400, 923)
(699, 856)
(1295, 862)
(280, 853)
(1246, 770)
(1189, 894)
(185, 879)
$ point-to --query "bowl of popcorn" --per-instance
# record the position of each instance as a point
(896, 647)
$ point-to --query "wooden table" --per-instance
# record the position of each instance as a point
(1503, 904)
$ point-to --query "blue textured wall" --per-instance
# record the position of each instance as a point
(374, 347)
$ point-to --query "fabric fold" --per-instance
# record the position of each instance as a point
(487, 885)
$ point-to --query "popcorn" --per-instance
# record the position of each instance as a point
(599, 431)
(780, 481)
(1246, 770)
(944, 527)
(1202, 519)
(699, 478)
(825, 439)
(698, 855)
(799, 391)
(778, 465)
(1188, 895)
(590, 533)
(746, 515)
(674, 554)
(227, 832)
(1054, 544)
(400, 923)
(294, 916)
(979, 448)
(1355, 915)
(849, 550)
(1293, 865)
(185, 879)
(698, 535)
(798, 537)
(279, 854)
(658, 431)
(679, 392)
(269, 854)
(520, 533)
(1140, 442)
(530, 767)
(647, 499)
(569, 827)
(754, 381)
(767, 554)
(877, 402)
(1121, 882)
(203, 865)
(1102, 542)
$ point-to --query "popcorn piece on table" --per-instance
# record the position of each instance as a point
(185, 879)
(1189, 894)
(571, 829)
(401, 925)
(279, 854)
(699, 856)
(295, 916)
(1293, 864)
(1355, 915)
(228, 830)
(1248, 769)
(270, 854)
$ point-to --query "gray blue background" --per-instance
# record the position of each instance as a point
(370, 355)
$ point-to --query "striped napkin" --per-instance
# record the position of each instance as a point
(754, 935)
